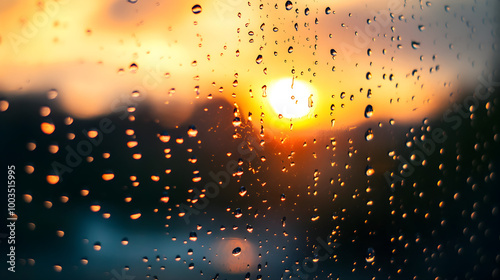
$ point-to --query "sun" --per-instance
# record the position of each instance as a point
(291, 98)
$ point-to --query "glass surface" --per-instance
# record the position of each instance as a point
(231, 139)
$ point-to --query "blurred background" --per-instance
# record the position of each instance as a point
(234, 139)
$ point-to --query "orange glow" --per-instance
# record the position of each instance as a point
(44, 111)
(196, 179)
(31, 146)
(53, 149)
(29, 169)
(86, 89)
(84, 192)
(192, 132)
(68, 120)
(106, 215)
(31, 226)
(52, 179)
(92, 133)
(64, 199)
(27, 198)
(60, 233)
(229, 263)
(131, 144)
(95, 208)
(135, 216)
(164, 138)
(155, 178)
(108, 176)
(57, 268)
(47, 128)
(136, 156)
(4, 105)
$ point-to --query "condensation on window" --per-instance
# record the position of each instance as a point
(231, 139)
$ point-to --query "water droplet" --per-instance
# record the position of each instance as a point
(333, 52)
(196, 9)
(236, 251)
(165, 198)
(290, 49)
(259, 59)
(369, 111)
(310, 101)
(133, 68)
(415, 45)
(236, 122)
(288, 5)
(164, 137)
(238, 213)
(369, 171)
(47, 127)
(108, 175)
(249, 228)
(243, 191)
(95, 207)
(193, 236)
(328, 10)
(370, 255)
(369, 134)
(135, 216)
(192, 132)
(4, 105)
(368, 75)
(57, 268)
(306, 11)
(52, 179)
